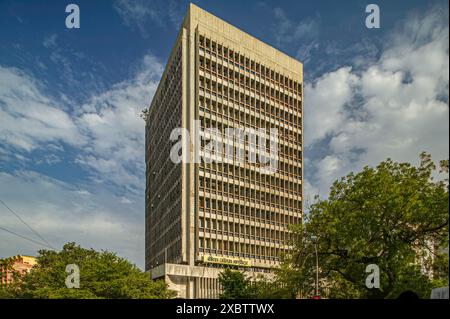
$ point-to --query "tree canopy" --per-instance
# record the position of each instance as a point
(234, 285)
(102, 275)
(394, 215)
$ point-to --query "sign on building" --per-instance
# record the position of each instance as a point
(227, 261)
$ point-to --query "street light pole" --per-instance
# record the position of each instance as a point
(314, 240)
(317, 270)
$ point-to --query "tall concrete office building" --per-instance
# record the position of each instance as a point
(202, 217)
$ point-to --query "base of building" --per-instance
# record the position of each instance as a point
(194, 282)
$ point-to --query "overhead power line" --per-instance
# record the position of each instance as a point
(24, 237)
(26, 224)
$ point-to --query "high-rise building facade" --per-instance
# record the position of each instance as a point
(204, 215)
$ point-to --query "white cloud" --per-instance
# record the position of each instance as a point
(107, 135)
(50, 41)
(309, 192)
(112, 122)
(138, 13)
(397, 107)
(49, 159)
(28, 118)
(107, 129)
(61, 213)
(135, 13)
(288, 32)
(125, 200)
(324, 103)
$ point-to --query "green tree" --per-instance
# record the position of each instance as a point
(264, 288)
(390, 216)
(102, 275)
(235, 285)
(441, 269)
(5, 294)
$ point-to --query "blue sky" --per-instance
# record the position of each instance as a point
(71, 140)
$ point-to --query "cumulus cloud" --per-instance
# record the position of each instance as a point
(397, 107)
(106, 129)
(324, 102)
(29, 118)
(107, 135)
(116, 132)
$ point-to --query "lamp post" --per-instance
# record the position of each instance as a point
(314, 240)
